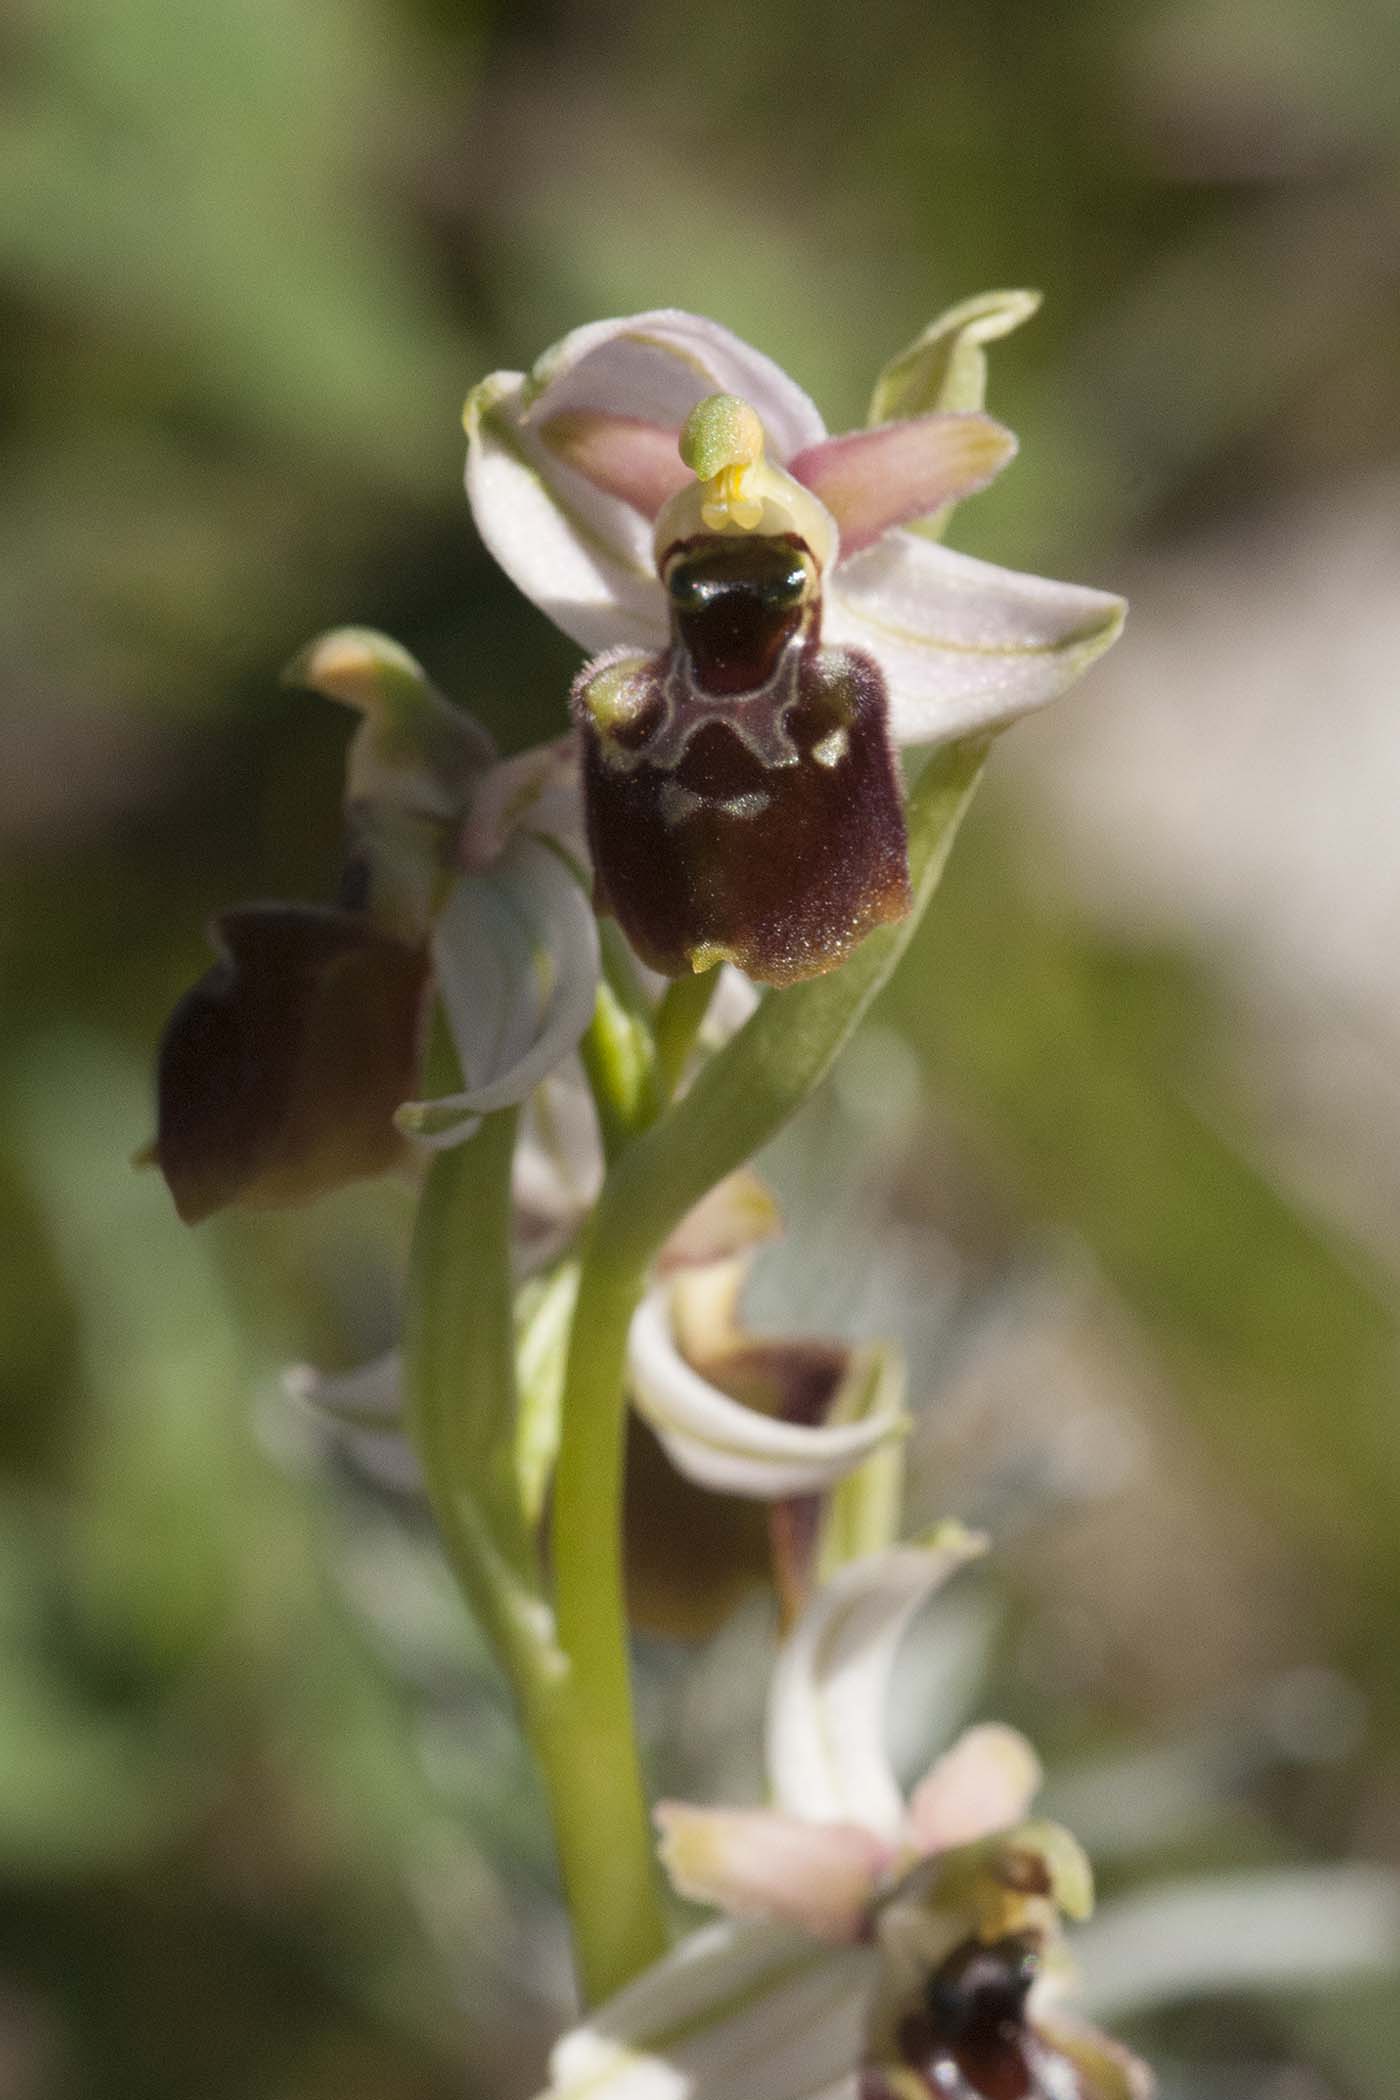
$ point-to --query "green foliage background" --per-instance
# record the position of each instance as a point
(251, 257)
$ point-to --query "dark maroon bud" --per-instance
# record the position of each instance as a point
(280, 1070)
(743, 800)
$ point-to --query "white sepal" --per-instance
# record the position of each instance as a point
(964, 646)
(582, 555)
(660, 365)
(733, 2010)
(723, 1445)
(827, 1759)
(515, 950)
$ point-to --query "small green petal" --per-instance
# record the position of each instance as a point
(409, 729)
(946, 366)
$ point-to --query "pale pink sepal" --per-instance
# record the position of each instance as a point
(754, 1863)
(984, 1784)
(872, 480)
(733, 2009)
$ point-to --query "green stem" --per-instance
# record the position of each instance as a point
(459, 1351)
(624, 1928)
(738, 1102)
(460, 1378)
(679, 1019)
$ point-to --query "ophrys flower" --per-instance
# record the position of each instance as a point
(901, 1951)
(775, 615)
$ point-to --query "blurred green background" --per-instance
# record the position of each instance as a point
(1124, 1137)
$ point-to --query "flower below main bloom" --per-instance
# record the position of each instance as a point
(726, 1420)
(776, 617)
(876, 1949)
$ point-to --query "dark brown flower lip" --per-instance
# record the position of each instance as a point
(279, 1070)
(776, 842)
(974, 2036)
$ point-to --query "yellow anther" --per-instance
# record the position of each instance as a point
(727, 500)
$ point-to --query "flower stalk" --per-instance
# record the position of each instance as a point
(738, 1102)
(571, 1685)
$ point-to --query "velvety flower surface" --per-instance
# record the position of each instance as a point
(875, 1946)
(281, 1069)
(775, 614)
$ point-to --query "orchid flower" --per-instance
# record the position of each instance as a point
(873, 1946)
(686, 1349)
(774, 614)
(687, 1355)
(288, 1067)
